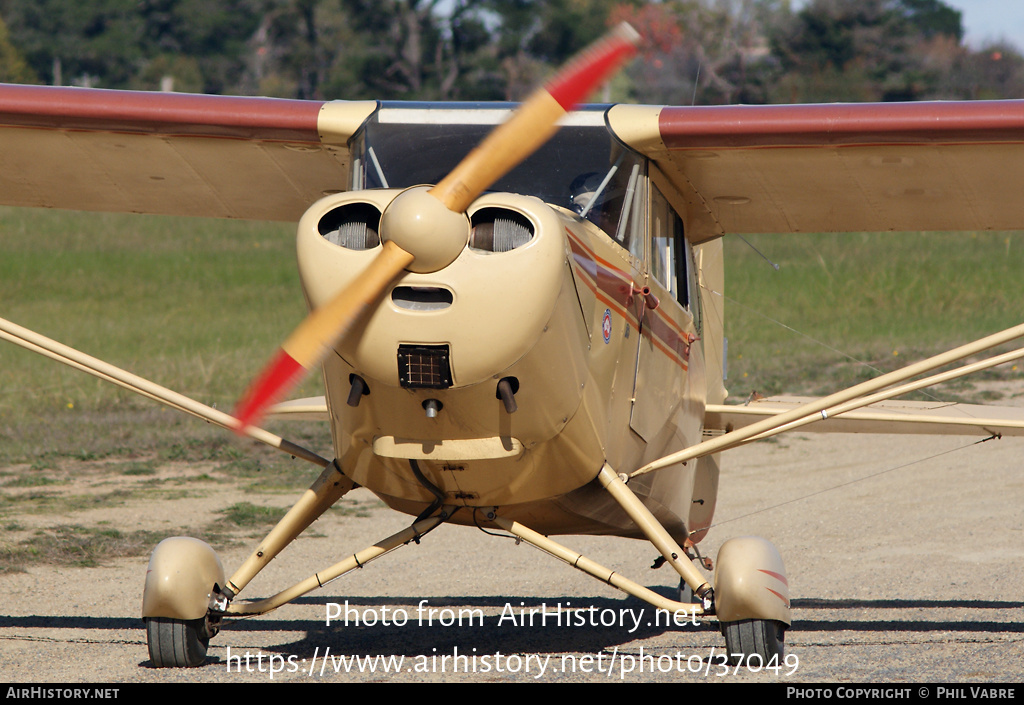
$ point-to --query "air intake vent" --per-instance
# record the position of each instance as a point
(424, 367)
(422, 298)
(499, 230)
(353, 226)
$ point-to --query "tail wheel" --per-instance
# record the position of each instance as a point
(749, 637)
(176, 643)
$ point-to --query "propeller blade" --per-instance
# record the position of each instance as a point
(509, 144)
(309, 344)
(534, 122)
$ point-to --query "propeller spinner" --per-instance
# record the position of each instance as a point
(425, 228)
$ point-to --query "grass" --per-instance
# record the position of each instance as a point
(77, 546)
(200, 306)
(247, 514)
(197, 305)
(63, 504)
(842, 307)
(194, 304)
(88, 546)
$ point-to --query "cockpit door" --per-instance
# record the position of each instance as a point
(665, 324)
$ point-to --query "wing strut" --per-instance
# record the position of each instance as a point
(776, 424)
(47, 347)
(989, 425)
(425, 228)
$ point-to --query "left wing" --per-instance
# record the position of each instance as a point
(172, 153)
(836, 168)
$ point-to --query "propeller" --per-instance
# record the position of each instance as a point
(425, 228)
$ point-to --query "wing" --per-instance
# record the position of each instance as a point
(836, 168)
(170, 153)
(933, 418)
(742, 169)
(308, 409)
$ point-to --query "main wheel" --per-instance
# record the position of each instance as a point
(750, 637)
(176, 643)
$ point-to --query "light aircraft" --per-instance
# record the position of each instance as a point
(533, 341)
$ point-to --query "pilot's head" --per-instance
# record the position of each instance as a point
(583, 189)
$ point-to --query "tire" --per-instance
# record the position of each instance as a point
(175, 643)
(754, 637)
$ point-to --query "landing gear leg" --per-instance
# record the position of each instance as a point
(331, 486)
(186, 593)
(656, 533)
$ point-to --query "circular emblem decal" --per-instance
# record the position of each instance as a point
(606, 325)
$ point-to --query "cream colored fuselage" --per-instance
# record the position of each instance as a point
(599, 377)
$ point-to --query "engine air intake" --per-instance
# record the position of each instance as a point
(499, 230)
(424, 367)
(354, 226)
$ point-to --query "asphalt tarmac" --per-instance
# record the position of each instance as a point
(905, 558)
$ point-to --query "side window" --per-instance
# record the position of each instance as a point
(631, 227)
(669, 251)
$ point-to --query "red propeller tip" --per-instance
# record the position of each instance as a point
(572, 84)
(272, 383)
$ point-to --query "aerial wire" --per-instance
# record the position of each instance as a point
(851, 482)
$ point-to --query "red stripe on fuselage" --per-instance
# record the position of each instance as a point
(611, 285)
(614, 287)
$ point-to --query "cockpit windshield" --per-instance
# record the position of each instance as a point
(411, 144)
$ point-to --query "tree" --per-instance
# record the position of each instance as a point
(87, 42)
(996, 71)
(13, 67)
(212, 34)
(934, 18)
(419, 49)
(862, 49)
(703, 51)
(296, 48)
(112, 43)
